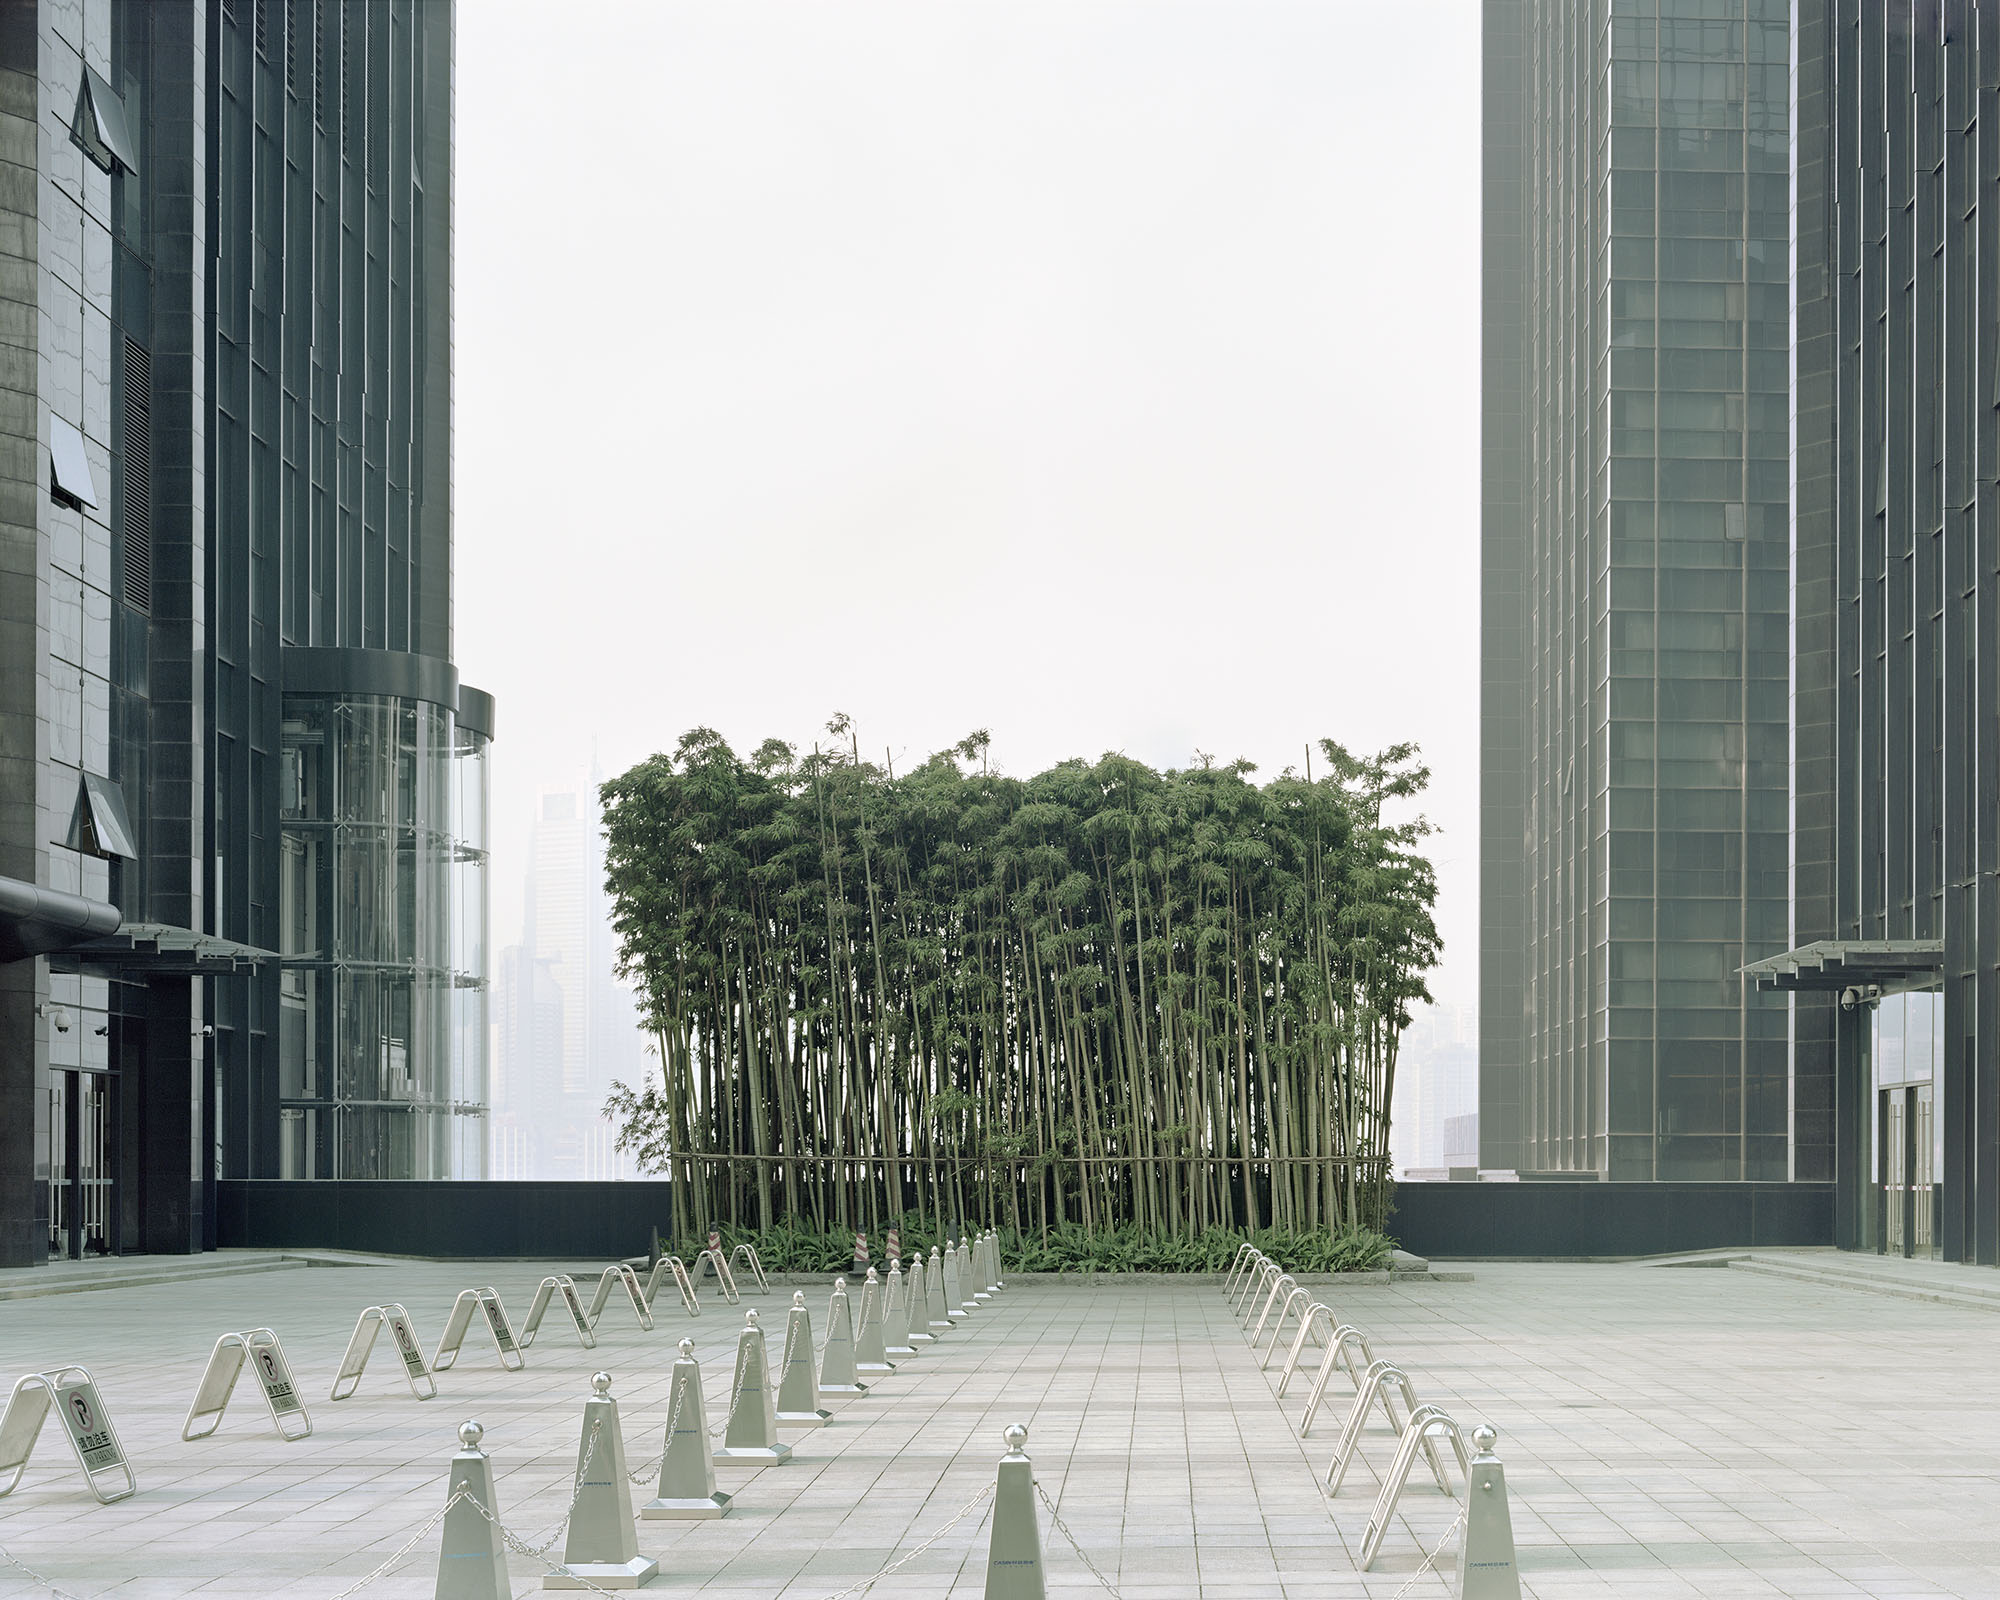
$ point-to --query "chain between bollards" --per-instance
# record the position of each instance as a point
(62, 1594)
(520, 1546)
(645, 1473)
(902, 1560)
(1062, 1528)
(1430, 1560)
(583, 1469)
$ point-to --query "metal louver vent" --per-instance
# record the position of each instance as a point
(321, 76)
(135, 523)
(346, 25)
(263, 29)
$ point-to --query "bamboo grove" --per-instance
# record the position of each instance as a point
(1101, 995)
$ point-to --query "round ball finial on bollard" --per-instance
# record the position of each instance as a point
(798, 1297)
(749, 1319)
(1484, 1438)
(871, 1276)
(687, 1349)
(601, 1382)
(840, 1283)
(1016, 1437)
(470, 1433)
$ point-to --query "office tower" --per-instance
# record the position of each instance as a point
(242, 836)
(1896, 921)
(1635, 654)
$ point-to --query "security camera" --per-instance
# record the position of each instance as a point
(59, 1017)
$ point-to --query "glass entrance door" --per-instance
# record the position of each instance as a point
(1893, 1159)
(80, 1174)
(1905, 1136)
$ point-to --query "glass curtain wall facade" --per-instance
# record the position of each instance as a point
(381, 1060)
(330, 499)
(1896, 288)
(1635, 650)
(228, 410)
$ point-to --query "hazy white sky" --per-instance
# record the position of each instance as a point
(1102, 374)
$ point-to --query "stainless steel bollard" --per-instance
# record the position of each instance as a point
(687, 1490)
(472, 1560)
(1014, 1550)
(966, 1281)
(917, 1324)
(751, 1439)
(896, 1315)
(798, 1388)
(601, 1551)
(938, 1318)
(870, 1348)
(836, 1367)
(1486, 1569)
(954, 1285)
(977, 1279)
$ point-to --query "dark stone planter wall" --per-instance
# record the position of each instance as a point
(1582, 1220)
(603, 1221)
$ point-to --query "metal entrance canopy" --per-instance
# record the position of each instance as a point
(1888, 964)
(163, 949)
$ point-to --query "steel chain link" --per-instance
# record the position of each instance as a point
(673, 1420)
(16, 1561)
(1450, 1534)
(903, 1560)
(735, 1390)
(582, 1470)
(1062, 1528)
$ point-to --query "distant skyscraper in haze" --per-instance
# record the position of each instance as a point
(1437, 1085)
(568, 1029)
(1635, 605)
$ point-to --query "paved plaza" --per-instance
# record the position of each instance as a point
(1667, 1432)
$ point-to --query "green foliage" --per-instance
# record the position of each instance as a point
(1102, 995)
(794, 1246)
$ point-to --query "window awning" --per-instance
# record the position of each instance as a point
(1827, 964)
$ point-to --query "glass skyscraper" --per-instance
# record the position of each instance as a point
(1636, 608)
(1894, 970)
(242, 792)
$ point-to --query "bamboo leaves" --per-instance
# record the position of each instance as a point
(1103, 995)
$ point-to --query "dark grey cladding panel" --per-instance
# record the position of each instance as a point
(475, 710)
(385, 672)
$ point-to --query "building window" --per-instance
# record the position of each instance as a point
(69, 468)
(100, 826)
(99, 127)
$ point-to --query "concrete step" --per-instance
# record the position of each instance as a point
(1929, 1282)
(129, 1272)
